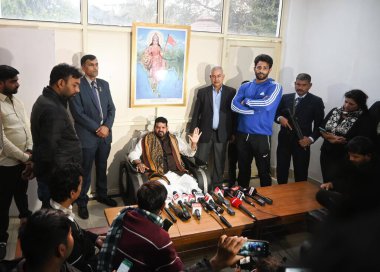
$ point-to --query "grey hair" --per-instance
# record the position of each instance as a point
(216, 68)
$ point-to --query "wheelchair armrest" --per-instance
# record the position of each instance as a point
(132, 168)
(188, 161)
(134, 181)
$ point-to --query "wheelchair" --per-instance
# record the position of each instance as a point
(130, 180)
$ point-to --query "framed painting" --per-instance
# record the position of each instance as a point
(159, 64)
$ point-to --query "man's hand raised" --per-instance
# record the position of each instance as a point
(194, 138)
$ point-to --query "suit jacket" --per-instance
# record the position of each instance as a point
(309, 110)
(86, 114)
(203, 113)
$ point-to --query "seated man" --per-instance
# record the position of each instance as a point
(46, 242)
(357, 187)
(161, 157)
(143, 244)
(64, 191)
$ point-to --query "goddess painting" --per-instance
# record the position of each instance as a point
(159, 59)
(154, 62)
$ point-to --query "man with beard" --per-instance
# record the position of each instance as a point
(356, 188)
(307, 111)
(158, 155)
(256, 103)
(17, 152)
(55, 141)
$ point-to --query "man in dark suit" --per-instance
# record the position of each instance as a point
(93, 112)
(308, 111)
(213, 116)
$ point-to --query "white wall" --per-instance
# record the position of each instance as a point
(338, 43)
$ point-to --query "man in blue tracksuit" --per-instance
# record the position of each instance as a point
(256, 103)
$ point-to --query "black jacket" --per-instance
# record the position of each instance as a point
(309, 115)
(203, 113)
(55, 141)
(83, 255)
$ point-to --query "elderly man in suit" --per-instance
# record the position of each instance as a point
(213, 116)
(308, 111)
(93, 111)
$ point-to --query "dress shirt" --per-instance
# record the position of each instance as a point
(16, 131)
(216, 97)
(297, 96)
(67, 211)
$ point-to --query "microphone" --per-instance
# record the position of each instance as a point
(185, 198)
(209, 207)
(198, 196)
(237, 203)
(252, 191)
(176, 211)
(190, 199)
(258, 200)
(227, 192)
(197, 210)
(219, 192)
(210, 201)
(170, 215)
(222, 201)
(254, 198)
(239, 194)
(177, 200)
(196, 207)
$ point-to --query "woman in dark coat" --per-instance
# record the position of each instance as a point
(340, 125)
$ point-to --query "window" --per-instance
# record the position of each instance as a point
(255, 17)
(67, 11)
(201, 15)
(121, 12)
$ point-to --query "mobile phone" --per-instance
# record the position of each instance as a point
(256, 248)
(322, 129)
(125, 266)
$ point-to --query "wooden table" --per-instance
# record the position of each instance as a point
(290, 201)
